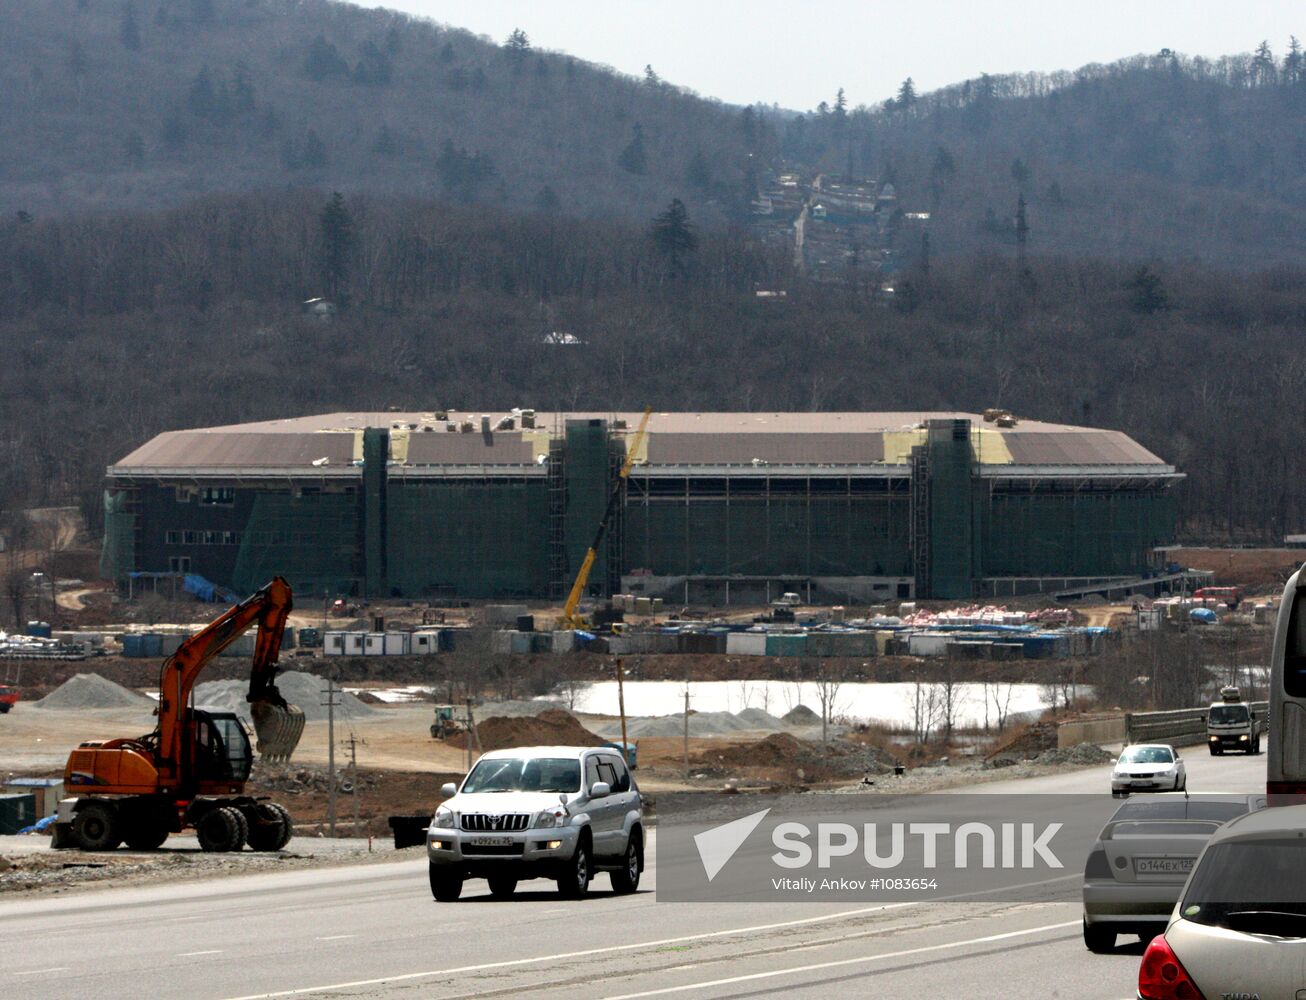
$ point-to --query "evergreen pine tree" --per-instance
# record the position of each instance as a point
(634, 158)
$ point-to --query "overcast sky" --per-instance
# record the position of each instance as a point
(798, 53)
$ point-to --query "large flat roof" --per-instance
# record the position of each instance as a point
(333, 441)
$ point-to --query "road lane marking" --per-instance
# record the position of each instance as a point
(612, 949)
(42, 972)
(337, 937)
(841, 963)
(192, 954)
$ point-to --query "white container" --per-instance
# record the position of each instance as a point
(374, 644)
(927, 644)
(746, 643)
(396, 644)
(424, 643)
(564, 642)
(334, 643)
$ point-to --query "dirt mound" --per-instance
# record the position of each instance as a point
(1026, 744)
(782, 756)
(552, 727)
(91, 691)
(306, 691)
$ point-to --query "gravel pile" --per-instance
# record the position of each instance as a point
(800, 715)
(1082, 753)
(306, 691)
(91, 691)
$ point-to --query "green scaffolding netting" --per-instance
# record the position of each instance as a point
(313, 541)
(118, 553)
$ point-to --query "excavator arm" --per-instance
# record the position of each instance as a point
(570, 619)
(277, 724)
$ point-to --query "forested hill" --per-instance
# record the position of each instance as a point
(1159, 156)
(145, 103)
(113, 104)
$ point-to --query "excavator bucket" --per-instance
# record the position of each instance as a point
(277, 727)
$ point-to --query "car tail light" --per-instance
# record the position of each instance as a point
(1098, 866)
(1162, 977)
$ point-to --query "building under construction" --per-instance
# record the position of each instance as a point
(720, 508)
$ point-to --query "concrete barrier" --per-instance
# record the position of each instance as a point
(1114, 730)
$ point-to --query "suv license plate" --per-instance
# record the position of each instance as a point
(1163, 866)
(491, 841)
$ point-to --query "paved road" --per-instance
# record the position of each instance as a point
(374, 931)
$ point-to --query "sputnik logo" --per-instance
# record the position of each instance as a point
(718, 845)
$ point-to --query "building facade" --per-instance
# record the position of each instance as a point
(719, 507)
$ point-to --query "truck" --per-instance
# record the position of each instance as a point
(1232, 725)
(1211, 596)
(190, 772)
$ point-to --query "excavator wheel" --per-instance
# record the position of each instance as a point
(269, 826)
(222, 829)
(278, 729)
(97, 827)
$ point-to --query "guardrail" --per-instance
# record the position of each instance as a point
(1182, 726)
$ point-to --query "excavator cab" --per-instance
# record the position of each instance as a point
(222, 750)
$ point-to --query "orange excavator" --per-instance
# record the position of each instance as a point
(191, 771)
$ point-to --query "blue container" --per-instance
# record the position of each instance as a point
(133, 645)
(40, 630)
(151, 646)
(786, 644)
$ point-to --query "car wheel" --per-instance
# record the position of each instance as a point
(1218, 751)
(1099, 940)
(1181, 783)
(1256, 747)
(1213, 750)
(626, 878)
(574, 876)
(502, 886)
(446, 883)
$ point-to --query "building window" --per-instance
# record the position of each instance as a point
(172, 537)
(223, 496)
(231, 538)
(179, 564)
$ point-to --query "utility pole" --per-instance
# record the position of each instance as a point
(685, 741)
(621, 707)
(331, 755)
(353, 742)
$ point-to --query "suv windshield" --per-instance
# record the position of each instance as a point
(1254, 886)
(1228, 715)
(524, 774)
(1147, 755)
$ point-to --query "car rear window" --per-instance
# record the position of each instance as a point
(1241, 876)
(1221, 811)
(1145, 828)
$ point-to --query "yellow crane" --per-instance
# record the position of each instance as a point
(570, 618)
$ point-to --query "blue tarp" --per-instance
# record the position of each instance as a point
(195, 584)
(40, 826)
(1203, 615)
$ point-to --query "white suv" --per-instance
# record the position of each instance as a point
(560, 813)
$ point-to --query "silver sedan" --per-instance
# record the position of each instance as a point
(1148, 767)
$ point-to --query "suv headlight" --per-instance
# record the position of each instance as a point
(547, 819)
(445, 819)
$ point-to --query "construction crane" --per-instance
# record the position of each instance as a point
(191, 771)
(570, 616)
